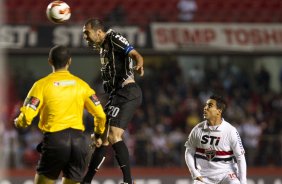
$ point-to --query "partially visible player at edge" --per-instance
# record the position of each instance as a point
(212, 146)
(117, 69)
(60, 99)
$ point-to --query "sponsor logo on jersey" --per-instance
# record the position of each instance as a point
(95, 99)
(64, 83)
(32, 102)
(211, 140)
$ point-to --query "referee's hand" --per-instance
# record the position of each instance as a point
(20, 122)
(97, 142)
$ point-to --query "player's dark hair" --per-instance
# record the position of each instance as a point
(220, 102)
(59, 56)
(95, 24)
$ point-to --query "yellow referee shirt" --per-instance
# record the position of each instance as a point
(60, 98)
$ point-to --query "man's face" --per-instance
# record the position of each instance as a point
(210, 110)
(91, 36)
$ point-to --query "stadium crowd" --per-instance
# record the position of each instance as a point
(172, 105)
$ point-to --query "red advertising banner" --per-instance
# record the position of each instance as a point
(226, 37)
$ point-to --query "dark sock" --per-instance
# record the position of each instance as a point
(97, 159)
(122, 157)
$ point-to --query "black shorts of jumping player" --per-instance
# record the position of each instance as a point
(122, 104)
(64, 151)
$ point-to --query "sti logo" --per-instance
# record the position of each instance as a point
(206, 139)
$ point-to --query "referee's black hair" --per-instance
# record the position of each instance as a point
(59, 56)
(220, 102)
(95, 24)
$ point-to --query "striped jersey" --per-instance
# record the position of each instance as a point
(215, 148)
(60, 98)
(117, 66)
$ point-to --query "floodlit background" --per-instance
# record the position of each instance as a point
(191, 48)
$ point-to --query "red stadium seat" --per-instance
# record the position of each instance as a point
(146, 11)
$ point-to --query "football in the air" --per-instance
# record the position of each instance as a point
(58, 12)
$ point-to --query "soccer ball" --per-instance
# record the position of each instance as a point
(58, 12)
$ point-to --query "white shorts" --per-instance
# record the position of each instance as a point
(229, 178)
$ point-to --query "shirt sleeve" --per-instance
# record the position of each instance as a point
(31, 106)
(189, 154)
(239, 152)
(242, 167)
(121, 44)
(94, 107)
(190, 162)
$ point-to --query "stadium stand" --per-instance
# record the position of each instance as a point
(144, 11)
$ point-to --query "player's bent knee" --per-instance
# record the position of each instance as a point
(106, 142)
(198, 182)
(68, 181)
(41, 179)
(113, 139)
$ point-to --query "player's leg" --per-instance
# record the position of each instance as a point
(41, 179)
(121, 152)
(198, 182)
(230, 178)
(205, 180)
(99, 154)
(97, 159)
(121, 111)
(68, 181)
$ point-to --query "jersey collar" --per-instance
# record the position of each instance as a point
(217, 129)
(107, 33)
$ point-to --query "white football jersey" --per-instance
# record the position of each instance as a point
(216, 148)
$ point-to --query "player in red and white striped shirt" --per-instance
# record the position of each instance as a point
(214, 151)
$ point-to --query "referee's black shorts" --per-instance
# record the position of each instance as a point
(64, 151)
(122, 104)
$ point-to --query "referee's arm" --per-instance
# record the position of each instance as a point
(99, 115)
(30, 108)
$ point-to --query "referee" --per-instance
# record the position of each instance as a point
(60, 98)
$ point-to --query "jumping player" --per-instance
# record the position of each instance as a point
(117, 69)
(214, 152)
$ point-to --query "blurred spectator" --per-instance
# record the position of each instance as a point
(280, 79)
(143, 135)
(196, 75)
(159, 147)
(250, 133)
(32, 139)
(2, 129)
(175, 144)
(262, 79)
(192, 120)
(116, 16)
(11, 147)
(187, 9)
